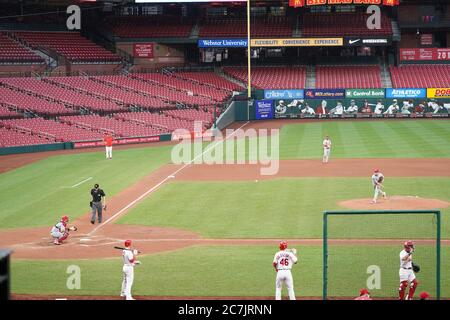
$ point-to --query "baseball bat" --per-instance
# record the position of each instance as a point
(122, 248)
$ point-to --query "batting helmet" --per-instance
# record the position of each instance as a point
(65, 219)
(376, 170)
(127, 243)
(283, 245)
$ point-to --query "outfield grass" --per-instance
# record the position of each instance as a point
(39, 193)
(286, 208)
(367, 139)
(226, 271)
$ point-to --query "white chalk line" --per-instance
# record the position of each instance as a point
(81, 182)
(160, 183)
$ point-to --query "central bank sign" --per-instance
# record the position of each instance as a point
(406, 93)
(364, 93)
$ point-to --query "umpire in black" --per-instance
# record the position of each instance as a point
(98, 203)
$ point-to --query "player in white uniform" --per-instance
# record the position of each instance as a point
(129, 261)
(379, 107)
(326, 149)
(308, 109)
(338, 110)
(352, 109)
(282, 262)
(393, 108)
(406, 273)
(60, 230)
(281, 107)
(406, 106)
(377, 180)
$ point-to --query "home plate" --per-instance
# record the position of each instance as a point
(85, 239)
(171, 177)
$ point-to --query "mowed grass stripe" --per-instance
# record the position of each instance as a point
(352, 137)
(413, 139)
(439, 136)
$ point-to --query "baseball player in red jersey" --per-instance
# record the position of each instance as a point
(283, 262)
(108, 140)
(406, 272)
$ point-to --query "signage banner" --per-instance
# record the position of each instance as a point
(406, 93)
(438, 93)
(298, 42)
(264, 109)
(284, 94)
(364, 93)
(143, 50)
(222, 43)
(100, 143)
(424, 54)
(355, 42)
(325, 93)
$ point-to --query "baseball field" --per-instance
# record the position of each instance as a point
(211, 231)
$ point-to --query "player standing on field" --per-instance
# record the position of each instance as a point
(406, 273)
(377, 180)
(129, 261)
(108, 140)
(98, 203)
(326, 149)
(282, 262)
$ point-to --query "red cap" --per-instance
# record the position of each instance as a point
(127, 243)
(283, 245)
(376, 170)
(424, 295)
(363, 292)
(65, 219)
(409, 243)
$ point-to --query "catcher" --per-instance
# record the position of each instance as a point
(60, 231)
(377, 182)
(407, 272)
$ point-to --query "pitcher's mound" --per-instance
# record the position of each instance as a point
(395, 203)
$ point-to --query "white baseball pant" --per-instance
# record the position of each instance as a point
(127, 283)
(284, 277)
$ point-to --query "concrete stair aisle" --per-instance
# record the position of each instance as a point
(386, 80)
(310, 77)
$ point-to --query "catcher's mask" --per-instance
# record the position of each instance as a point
(409, 245)
(283, 245)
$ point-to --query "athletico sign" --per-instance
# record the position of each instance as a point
(222, 43)
(425, 54)
(298, 42)
(406, 93)
(438, 93)
(364, 93)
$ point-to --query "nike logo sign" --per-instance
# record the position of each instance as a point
(353, 41)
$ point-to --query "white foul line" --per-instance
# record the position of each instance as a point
(81, 182)
(161, 182)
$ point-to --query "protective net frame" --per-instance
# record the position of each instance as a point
(435, 215)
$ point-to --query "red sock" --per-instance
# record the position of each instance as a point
(64, 237)
(412, 289)
(402, 289)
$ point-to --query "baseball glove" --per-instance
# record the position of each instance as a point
(73, 228)
(416, 267)
(380, 179)
(90, 204)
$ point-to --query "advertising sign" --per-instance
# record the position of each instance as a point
(143, 50)
(406, 93)
(298, 42)
(222, 43)
(438, 92)
(424, 54)
(284, 94)
(264, 109)
(364, 93)
(325, 93)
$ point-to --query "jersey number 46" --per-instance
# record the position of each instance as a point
(284, 262)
